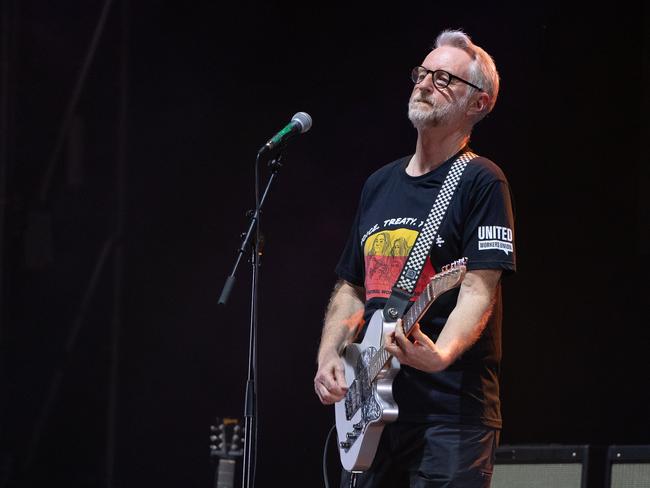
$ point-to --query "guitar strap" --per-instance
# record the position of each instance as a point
(404, 287)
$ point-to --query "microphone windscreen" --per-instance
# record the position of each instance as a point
(304, 119)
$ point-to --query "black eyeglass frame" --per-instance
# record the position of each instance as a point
(416, 71)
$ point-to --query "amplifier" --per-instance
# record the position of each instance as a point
(548, 466)
(628, 467)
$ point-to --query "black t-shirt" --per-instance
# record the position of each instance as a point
(478, 225)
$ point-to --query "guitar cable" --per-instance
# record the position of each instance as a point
(327, 439)
(353, 474)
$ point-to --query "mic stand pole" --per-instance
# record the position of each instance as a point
(250, 409)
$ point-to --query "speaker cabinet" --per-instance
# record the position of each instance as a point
(548, 466)
(628, 467)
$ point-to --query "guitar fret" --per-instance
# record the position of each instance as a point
(378, 363)
(374, 367)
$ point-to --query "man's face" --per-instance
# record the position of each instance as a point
(430, 106)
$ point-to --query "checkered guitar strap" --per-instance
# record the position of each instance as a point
(405, 284)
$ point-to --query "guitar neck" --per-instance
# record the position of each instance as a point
(420, 306)
(226, 473)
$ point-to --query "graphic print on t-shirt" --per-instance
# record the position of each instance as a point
(385, 253)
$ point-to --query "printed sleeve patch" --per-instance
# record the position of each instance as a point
(495, 237)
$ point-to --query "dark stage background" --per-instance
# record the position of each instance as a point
(126, 224)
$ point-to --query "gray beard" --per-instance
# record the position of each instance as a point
(428, 116)
(434, 114)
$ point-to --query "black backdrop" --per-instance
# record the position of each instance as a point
(205, 85)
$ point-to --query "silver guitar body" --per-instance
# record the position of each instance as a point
(369, 405)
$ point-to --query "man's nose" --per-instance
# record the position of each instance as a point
(426, 83)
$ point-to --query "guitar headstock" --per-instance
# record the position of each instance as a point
(226, 438)
(450, 276)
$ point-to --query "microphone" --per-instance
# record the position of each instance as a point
(300, 123)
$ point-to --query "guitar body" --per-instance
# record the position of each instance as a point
(362, 414)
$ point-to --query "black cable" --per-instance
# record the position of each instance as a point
(327, 439)
(251, 411)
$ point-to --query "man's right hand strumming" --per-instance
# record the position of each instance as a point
(329, 383)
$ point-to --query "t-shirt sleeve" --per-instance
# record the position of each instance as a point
(350, 266)
(488, 238)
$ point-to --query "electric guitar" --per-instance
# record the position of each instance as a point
(369, 372)
(226, 445)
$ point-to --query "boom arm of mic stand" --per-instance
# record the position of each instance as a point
(275, 166)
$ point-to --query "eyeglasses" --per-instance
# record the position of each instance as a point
(441, 78)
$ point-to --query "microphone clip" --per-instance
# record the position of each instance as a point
(275, 163)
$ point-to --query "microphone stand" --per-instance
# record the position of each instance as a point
(250, 407)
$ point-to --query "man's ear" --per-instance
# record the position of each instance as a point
(479, 104)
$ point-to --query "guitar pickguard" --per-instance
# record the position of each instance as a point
(371, 410)
(361, 393)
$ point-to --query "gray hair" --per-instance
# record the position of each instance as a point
(482, 70)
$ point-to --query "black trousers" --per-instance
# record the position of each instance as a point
(414, 455)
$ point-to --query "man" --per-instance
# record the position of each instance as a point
(447, 389)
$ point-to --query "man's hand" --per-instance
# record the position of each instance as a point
(422, 353)
(329, 382)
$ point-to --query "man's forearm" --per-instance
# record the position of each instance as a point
(471, 314)
(342, 319)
